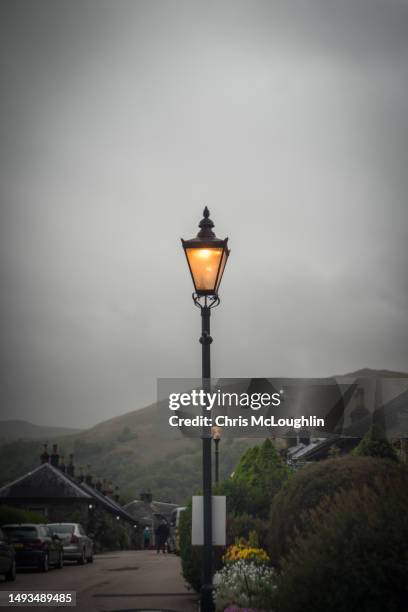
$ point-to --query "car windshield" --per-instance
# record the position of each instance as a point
(20, 533)
(62, 528)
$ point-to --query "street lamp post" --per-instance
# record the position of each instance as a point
(216, 434)
(206, 257)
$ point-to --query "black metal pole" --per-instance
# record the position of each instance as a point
(217, 460)
(207, 604)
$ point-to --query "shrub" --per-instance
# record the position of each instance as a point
(110, 534)
(354, 554)
(375, 444)
(244, 584)
(307, 487)
(258, 476)
(9, 514)
(191, 556)
(241, 526)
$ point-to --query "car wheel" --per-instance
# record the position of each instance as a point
(60, 563)
(44, 566)
(82, 559)
(10, 576)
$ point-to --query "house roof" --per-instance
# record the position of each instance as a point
(140, 510)
(302, 450)
(48, 482)
(320, 449)
(109, 504)
(145, 512)
(293, 450)
(45, 481)
(164, 508)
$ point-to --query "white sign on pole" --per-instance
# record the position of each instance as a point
(219, 518)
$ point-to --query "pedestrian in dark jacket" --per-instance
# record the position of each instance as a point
(162, 533)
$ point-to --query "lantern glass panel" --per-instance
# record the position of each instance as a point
(221, 272)
(204, 265)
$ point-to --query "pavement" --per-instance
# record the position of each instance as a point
(117, 581)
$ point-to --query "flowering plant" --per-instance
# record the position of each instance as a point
(246, 553)
(244, 584)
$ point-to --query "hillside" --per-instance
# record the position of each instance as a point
(17, 429)
(136, 451)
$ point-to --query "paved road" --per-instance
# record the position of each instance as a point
(126, 580)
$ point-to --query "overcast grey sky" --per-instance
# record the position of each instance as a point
(121, 119)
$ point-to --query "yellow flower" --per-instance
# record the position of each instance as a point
(242, 551)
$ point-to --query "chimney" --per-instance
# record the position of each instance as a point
(71, 467)
(44, 457)
(54, 458)
(98, 485)
(116, 495)
(147, 497)
(62, 465)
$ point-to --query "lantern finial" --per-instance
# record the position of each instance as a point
(206, 225)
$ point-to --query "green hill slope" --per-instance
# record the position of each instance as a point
(136, 451)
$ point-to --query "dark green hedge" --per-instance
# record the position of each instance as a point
(8, 514)
(354, 555)
(305, 490)
(191, 556)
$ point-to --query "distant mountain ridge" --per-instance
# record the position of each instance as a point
(368, 373)
(16, 429)
(136, 451)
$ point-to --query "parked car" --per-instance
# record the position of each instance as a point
(77, 545)
(35, 546)
(7, 559)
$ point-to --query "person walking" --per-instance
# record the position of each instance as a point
(162, 533)
(146, 537)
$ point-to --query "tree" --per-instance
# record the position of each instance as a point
(375, 444)
(258, 477)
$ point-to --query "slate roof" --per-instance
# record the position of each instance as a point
(304, 450)
(315, 451)
(45, 482)
(109, 504)
(141, 511)
(146, 513)
(48, 482)
(164, 508)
